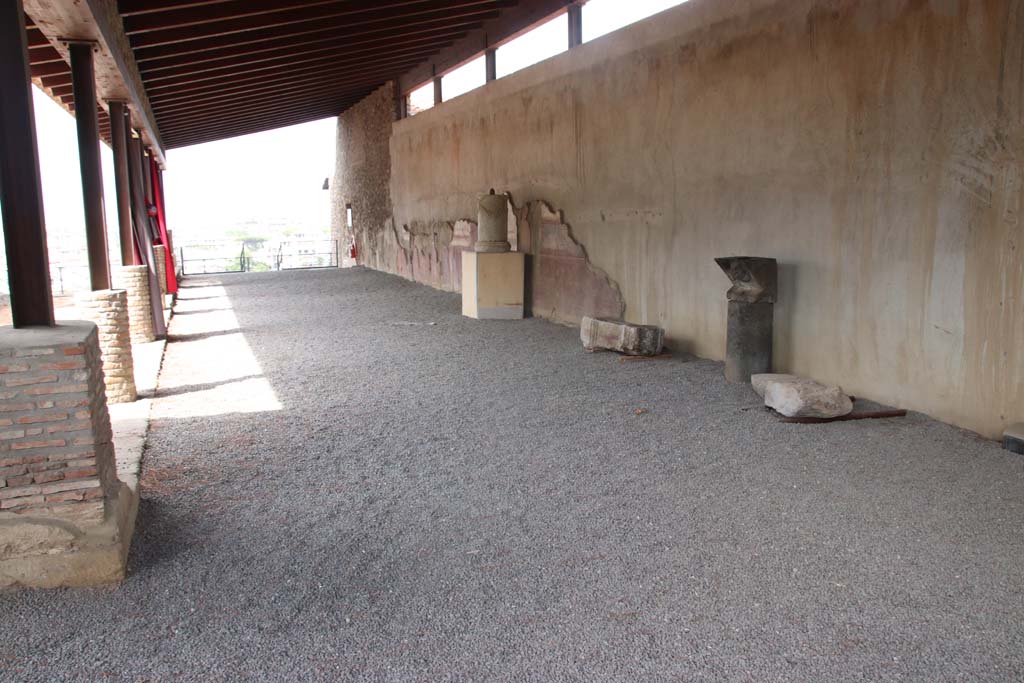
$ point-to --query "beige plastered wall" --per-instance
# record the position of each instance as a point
(873, 147)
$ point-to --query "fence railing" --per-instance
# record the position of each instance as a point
(203, 259)
(304, 254)
(242, 257)
(64, 279)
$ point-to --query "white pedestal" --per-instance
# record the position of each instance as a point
(492, 285)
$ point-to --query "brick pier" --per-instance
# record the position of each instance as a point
(108, 308)
(65, 518)
(160, 257)
(135, 281)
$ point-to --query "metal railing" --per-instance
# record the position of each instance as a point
(64, 279)
(255, 256)
(212, 263)
(305, 254)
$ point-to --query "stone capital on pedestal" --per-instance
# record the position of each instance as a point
(492, 224)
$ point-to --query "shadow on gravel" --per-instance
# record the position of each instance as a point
(171, 338)
(192, 388)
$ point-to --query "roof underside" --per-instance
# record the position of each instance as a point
(53, 72)
(231, 67)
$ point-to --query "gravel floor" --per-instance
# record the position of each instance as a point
(336, 489)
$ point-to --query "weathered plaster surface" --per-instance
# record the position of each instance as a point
(873, 147)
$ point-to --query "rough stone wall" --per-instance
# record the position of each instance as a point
(873, 147)
(362, 173)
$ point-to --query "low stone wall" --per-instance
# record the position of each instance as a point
(108, 308)
(64, 514)
(135, 281)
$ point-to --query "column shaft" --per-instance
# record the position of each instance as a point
(575, 25)
(491, 64)
(83, 82)
(21, 197)
(119, 136)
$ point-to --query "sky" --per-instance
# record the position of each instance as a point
(274, 177)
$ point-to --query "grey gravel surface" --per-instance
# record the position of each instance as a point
(476, 501)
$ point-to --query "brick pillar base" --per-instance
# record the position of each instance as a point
(135, 281)
(65, 518)
(160, 256)
(108, 308)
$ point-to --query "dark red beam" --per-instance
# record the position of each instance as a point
(330, 107)
(291, 91)
(297, 55)
(49, 69)
(299, 42)
(341, 28)
(60, 79)
(310, 17)
(44, 54)
(156, 90)
(214, 104)
(129, 8)
(201, 135)
(285, 66)
(236, 9)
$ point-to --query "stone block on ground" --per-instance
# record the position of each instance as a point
(801, 397)
(618, 335)
(760, 381)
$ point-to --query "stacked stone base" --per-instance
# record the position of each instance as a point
(108, 308)
(135, 281)
(493, 285)
(160, 261)
(65, 518)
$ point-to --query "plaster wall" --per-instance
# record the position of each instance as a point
(874, 147)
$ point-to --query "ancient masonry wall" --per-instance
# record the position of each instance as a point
(109, 310)
(362, 173)
(135, 281)
(875, 148)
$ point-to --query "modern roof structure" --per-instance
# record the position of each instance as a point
(200, 71)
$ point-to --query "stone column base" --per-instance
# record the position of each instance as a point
(65, 518)
(493, 285)
(160, 257)
(135, 281)
(108, 308)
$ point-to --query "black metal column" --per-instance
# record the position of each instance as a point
(437, 90)
(575, 25)
(491, 63)
(83, 83)
(21, 197)
(119, 138)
